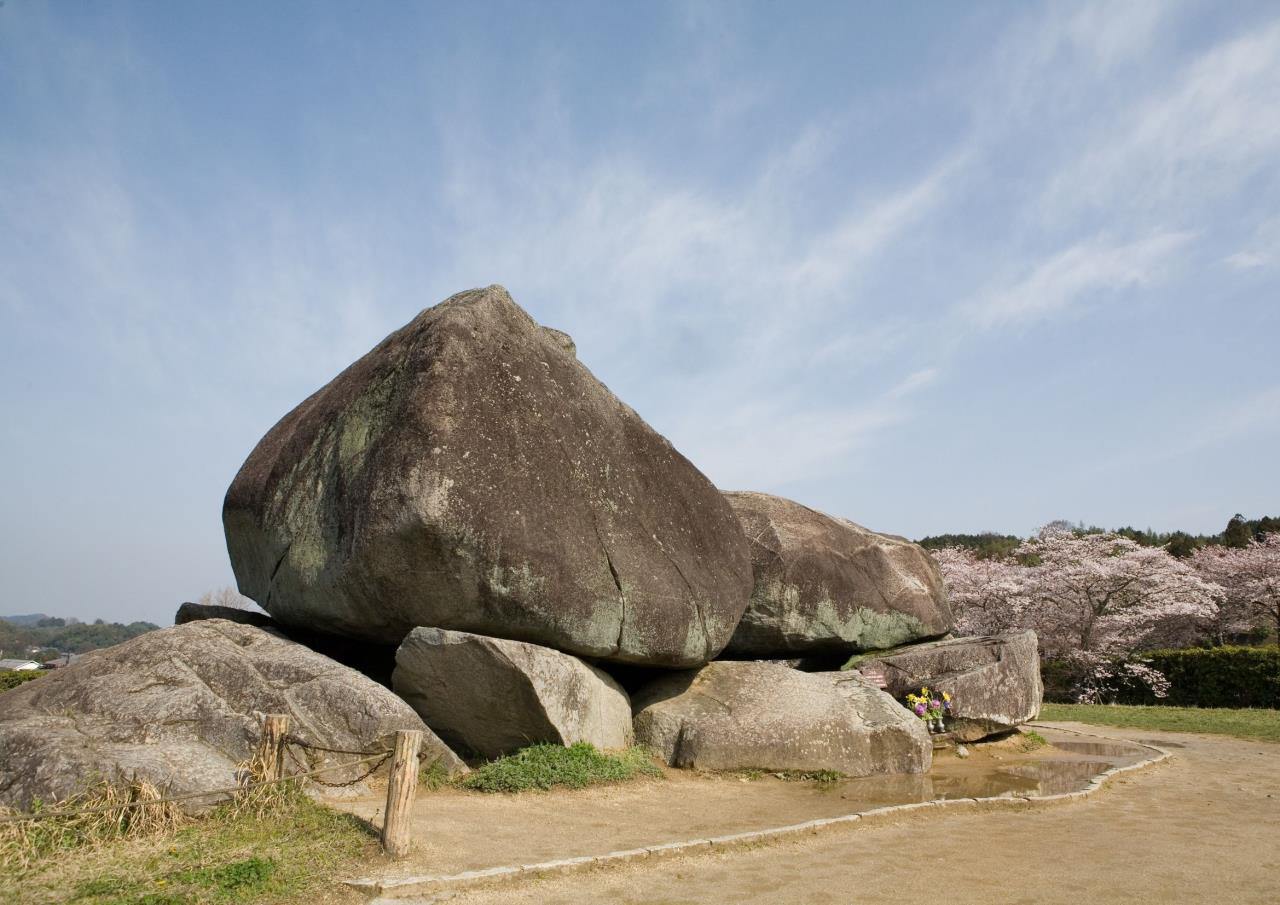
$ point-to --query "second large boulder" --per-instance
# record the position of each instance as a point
(182, 707)
(489, 696)
(469, 472)
(824, 584)
(733, 715)
(994, 680)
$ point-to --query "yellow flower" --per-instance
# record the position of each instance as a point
(945, 696)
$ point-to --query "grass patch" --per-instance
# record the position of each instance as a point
(433, 776)
(1252, 724)
(280, 848)
(548, 766)
(1030, 740)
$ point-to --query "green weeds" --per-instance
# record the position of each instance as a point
(548, 766)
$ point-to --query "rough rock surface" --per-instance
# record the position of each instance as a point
(470, 473)
(181, 708)
(489, 696)
(739, 714)
(994, 680)
(826, 584)
(374, 660)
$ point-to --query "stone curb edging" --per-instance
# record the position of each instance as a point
(441, 882)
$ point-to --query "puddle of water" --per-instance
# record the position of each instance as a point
(1095, 749)
(1069, 766)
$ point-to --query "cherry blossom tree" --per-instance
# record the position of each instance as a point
(1250, 580)
(1093, 600)
(228, 597)
(1102, 595)
(985, 592)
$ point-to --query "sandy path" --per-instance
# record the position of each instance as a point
(455, 831)
(1203, 827)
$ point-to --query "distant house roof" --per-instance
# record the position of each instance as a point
(19, 664)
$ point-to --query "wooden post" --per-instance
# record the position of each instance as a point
(275, 726)
(402, 786)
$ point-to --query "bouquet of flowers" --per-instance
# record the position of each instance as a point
(931, 707)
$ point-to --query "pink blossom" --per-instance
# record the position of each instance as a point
(1091, 598)
(1250, 580)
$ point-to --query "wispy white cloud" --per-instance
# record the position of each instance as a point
(1209, 132)
(1075, 274)
(917, 380)
(770, 443)
(836, 256)
(1261, 251)
(1054, 59)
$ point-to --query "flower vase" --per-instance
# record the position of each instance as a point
(938, 725)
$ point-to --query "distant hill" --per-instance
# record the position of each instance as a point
(29, 619)
(51, 635)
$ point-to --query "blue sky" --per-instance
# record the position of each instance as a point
(939, 267)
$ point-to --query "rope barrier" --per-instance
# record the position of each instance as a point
(230, 791)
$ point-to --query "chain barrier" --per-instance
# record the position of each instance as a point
(382, 759)
(291, 739)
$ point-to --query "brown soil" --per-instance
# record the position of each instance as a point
(1202, 827)
(456, 831)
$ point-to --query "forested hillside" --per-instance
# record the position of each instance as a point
(1238, 533)
(53, 635)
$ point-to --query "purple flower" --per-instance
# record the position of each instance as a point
(919, 709)
(935, 704)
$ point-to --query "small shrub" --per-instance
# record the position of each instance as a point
(1030, 740)
(433, 776)
(547, 766)
(12, 678)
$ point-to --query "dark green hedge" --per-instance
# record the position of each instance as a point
(1060, 680)
(1215, 677)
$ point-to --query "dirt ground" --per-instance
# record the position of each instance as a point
(455, 831)
(1203, 827)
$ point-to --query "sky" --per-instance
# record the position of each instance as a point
(933, 267)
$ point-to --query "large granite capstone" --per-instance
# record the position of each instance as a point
(181, 708)
(994, 680)
(470, 473)
(824, 584)
(489, 696)
(733, 715)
